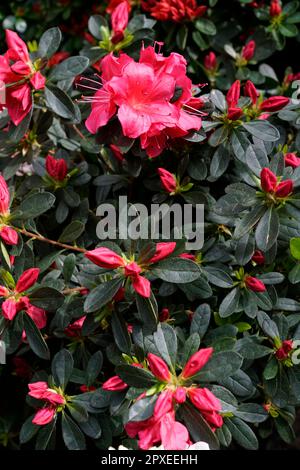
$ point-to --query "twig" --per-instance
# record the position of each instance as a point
(47, 240)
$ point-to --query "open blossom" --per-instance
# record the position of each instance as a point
(108, 259)
(162, 427)
(53, 399)
(7, 233)
(56, 168)
(174, 10)
(19, 73)
(141, 95)
(17, 300)
(269, 184)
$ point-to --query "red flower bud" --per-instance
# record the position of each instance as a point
(158, 367)
(167, 180)
(233, 94)
(284, 188)
(268, 180)
(180, 395)
(163, 249)
(164, 315)
(9, 235)
(188, 256)
(56, 168)
(120, 295)
(275, 8)
(292, 160)
(284, 350)
(4, 196)
(27, 279)
(248, 50)
(210, 61)
(117, 153)
(196, 362)
(258, 257)
(119, 22)
(234, 113)
(141, 285)
(86, 388)
(105, 258)
(114, 384)
(273, 104)
(251, 91)
(132, 269)
(57, 58)
(255, 284)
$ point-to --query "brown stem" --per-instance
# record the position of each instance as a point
(78, 132)
(47, 240)
(72, 290)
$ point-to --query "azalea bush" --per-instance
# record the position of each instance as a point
(146, 342)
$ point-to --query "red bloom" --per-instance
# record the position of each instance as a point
(57, 58)
(180, 395)
(158, 367)
(233, 94)
(258, 257)
(196, 362)
(142, 96)
(234, 113)
(255, 284)
(273, 104)
(174, 10)
(114, 3)
(17, 70)
(292, 160)
(56, 168)
(210, 61)
(275, 8)
(163, 249)
(117, 153)
(164, 315)
(105, 258)
(208, 404)
(15, 302)
(74, 329)
(87, 388)
(268, 180)
(119, 22)
(248, 50)
(41, 391)
(8, 234)
(286, 347)
(251, 91)
(284, 188)
(114, 384)
(168, 181)
(27, 279)
(22, 367)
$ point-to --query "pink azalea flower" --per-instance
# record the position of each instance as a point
(17, 71)
(53, 399)
(17, 300)
(8, 234)
(143, 96)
